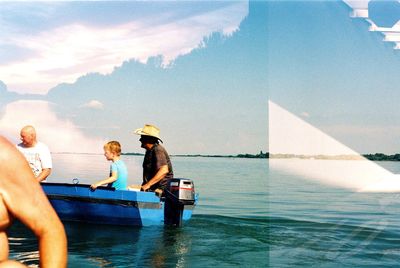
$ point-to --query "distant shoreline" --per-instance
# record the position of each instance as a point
(260, 155)
(372, 157)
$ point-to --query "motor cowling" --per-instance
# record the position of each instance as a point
(182, 190)
(178, 193)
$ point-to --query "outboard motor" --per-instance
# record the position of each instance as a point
(179, 192)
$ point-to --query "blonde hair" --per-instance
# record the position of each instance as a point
(113, 146)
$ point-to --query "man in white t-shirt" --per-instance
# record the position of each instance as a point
(36, 153)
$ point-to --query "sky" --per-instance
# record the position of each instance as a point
(85, 72)
(334, 65)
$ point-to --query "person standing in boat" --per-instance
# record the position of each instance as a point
(36, 153)
(157, 167)
(22, 198)
(118, 171)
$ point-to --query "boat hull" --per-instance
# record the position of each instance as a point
(77, 202)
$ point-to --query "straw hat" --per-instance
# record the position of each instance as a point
(149, 130)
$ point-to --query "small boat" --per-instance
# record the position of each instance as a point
(105, 205)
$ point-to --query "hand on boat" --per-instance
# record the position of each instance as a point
(144, 188)
(94, 186)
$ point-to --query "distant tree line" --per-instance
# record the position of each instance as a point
(372, 157)
(132, 154)
(259, 155)
(382, 157)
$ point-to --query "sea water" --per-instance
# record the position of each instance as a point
(311, 224)
(229, 227)
(247, 216)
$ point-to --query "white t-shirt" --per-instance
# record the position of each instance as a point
(37, 156)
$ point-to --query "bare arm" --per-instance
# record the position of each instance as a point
(161, 173)
(114, 176)
(44, 174)
(25, 200)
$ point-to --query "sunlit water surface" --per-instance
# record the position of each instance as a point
(229, 226)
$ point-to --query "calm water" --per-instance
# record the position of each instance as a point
(229, 226)
(313, 225)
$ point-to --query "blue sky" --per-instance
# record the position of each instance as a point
(329, 68)
(87, 72)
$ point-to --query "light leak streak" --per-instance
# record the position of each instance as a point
(360, 10)
(299, 148)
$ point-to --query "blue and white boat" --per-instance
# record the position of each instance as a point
(77, 202)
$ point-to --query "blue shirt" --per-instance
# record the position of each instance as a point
(122, 175)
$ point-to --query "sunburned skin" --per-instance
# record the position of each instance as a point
(22, 198)
(5, 221)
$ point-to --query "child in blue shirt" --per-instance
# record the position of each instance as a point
(118, 171)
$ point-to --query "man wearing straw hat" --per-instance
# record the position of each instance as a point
(157, 167)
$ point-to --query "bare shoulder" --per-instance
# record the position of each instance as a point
(4, 141)
(5, 218)
(6, 153)
(16, 178)
(7, 150)
(11, 162)
(5, 221)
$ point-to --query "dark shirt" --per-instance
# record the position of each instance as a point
(154, 159)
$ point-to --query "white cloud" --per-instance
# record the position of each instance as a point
(94, 104)
(65, 53)
(60, 135)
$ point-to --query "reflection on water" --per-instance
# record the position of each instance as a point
(23, 245)
(110, 246)
(208, 241)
